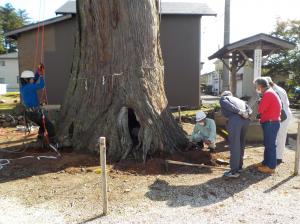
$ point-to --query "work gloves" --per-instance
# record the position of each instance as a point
(41, 69)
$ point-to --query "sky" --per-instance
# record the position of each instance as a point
(248, 17)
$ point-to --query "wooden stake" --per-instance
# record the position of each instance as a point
(103, 171)
(297, 156)
(167, 162)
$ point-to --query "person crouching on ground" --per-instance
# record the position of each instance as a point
(282, 133)
(204, 132)
(30, 84)
(269, 110)
(238, 113)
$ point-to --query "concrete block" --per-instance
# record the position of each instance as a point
(254, 132)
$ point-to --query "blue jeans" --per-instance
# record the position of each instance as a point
(270, 130)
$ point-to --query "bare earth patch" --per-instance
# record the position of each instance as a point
(67, 190)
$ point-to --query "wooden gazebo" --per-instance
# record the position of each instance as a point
(256, 48)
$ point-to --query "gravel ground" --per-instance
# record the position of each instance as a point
(189, 195)
(253, 198)
(201, 196)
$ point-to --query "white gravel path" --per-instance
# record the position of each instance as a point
(183, 198)
(253, 205)
(13, 211)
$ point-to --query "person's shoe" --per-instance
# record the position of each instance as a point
(229, 174)
(240, 170)
(257, 165)
(279, 161)
(266, 170)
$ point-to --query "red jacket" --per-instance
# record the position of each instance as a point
(269, 107)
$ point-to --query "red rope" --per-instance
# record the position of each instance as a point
(43, 43)
(45, 130)
(44, 98)
(37, 40)
(40, 50)
(44, 93)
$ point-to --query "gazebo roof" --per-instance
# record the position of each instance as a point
(266, 42)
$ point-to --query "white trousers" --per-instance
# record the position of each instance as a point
(281, 137)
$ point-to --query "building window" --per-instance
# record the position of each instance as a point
(2, 80)
(2, 63)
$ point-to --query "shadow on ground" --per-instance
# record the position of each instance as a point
(222, 146)
(210, 192)
(26, 162)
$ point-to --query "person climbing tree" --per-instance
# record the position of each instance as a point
(116, 88)
(30, 84)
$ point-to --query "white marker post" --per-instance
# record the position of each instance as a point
(257, 62)
(103, 172)
(297, 156)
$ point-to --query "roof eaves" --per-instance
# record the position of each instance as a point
(190, 14)
(167, 8)
(262, 37)
(15, 32)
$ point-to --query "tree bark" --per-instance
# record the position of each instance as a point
(116, 87)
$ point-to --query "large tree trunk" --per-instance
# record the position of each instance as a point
(116, 88)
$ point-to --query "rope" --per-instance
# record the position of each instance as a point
(43, 43)
(5, 162)
(41, 28)
(40, 47)
(45, 129)
(44, 93)
(44, 98)
(37, 38)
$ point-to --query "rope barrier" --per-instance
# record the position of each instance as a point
(5, 162)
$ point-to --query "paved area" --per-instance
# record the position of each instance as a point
(208, 99)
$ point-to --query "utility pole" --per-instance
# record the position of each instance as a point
(225, 78)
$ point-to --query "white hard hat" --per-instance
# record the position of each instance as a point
(200, 116)
(27, 74)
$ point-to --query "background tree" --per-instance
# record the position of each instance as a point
(10, 19)
(116, 88)
(286, 62)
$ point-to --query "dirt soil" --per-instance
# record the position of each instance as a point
(68, 189)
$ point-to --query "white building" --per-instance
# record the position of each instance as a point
(9, 72)
(244, 78)
(244, 81)
(212, 81)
